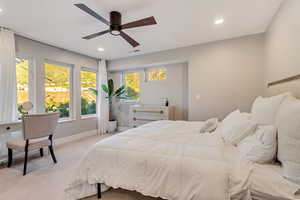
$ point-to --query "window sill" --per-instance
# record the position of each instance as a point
(66, 120)
(88, 116)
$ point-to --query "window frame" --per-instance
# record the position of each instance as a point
(122, 81)
(146, 70)
(97, 86)
(31, 82)
(72, 107)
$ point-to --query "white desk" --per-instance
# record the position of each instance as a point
(8, 127)
(8, 130)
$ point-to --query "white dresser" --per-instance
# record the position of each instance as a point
(142, 114)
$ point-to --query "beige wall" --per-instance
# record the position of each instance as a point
(37, 53)
(282, 47)
(222, 75)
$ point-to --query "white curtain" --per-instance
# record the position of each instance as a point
(102, 103)
(8, 87)
(8, 102)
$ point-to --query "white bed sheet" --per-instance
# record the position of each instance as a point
(268, 183)
(167, 159)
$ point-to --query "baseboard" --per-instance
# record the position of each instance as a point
(75, 137)
(123, 128)
(58, 141)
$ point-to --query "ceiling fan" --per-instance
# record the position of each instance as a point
(115, 24)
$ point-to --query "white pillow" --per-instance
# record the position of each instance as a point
(209, 126)
(264, 110)
(261, 146)
(237, 126)
(236, 115)
(288, 124)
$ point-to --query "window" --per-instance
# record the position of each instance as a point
(88, 80)
(22, 77)
(156, 74)
(57, 88)
(132, 81)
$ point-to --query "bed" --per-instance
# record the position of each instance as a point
(166, 159)
(172, 160)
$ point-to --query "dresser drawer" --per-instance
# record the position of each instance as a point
(9, 128)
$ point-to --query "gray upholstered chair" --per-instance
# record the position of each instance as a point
(38, 132)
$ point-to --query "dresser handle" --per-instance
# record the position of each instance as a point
(148, 111)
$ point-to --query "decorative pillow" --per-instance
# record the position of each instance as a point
(288, 124)
(264, 110)
(209, 125)
(237, 126)
(261, 146)
(232, 116)
(236, 115)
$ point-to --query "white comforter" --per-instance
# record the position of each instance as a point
(167, 159)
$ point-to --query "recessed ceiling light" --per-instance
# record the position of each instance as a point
(1, 10)
(219, 21)
(100, 49)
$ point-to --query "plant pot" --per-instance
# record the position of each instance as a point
(112, 126)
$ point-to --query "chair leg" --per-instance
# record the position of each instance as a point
(25, 162)
(41, 152)
(10, 157)
(99, 190)
(52, 154)
(26, 156)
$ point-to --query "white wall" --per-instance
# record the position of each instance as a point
(38, 52)
(222, 75)
(282, 49)
(154, 92)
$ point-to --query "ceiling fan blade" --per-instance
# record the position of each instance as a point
(95, 35)
(91, 12)
(129, 39)
(142, 22)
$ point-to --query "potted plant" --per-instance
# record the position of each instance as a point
(112, 94)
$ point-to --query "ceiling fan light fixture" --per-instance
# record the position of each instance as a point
(115, 32)
(115, 23)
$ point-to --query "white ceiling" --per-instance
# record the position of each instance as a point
(180, 22)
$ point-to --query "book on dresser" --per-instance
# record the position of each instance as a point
(142, 114)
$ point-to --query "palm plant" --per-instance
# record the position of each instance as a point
(119, 93)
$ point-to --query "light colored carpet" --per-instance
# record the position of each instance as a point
(46, 181)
